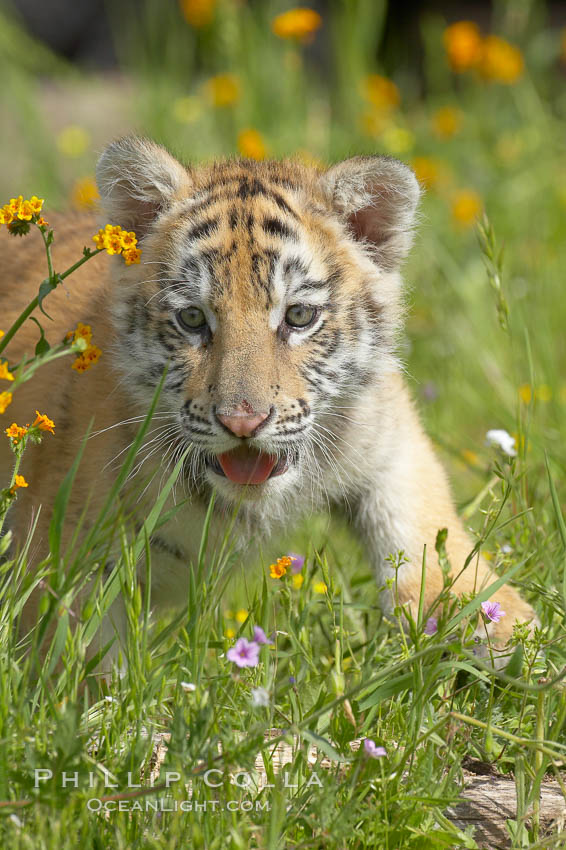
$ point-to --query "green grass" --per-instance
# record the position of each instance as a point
(424, 698)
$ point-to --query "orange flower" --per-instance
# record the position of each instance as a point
(131, 256)
(279, 569)
(5, 401)
(42, 222)
(81, 332)
(19, 481)
(87, 359)
(299, 24)
(382, 93)
(462, 41)
(251, 144)
(466, 207)
(198, 13)
(223, 90)
(16, 433)
(500, 61)
(42, 422)
(446, 122)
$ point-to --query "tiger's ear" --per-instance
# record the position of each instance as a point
(137, 179)
(378, 197)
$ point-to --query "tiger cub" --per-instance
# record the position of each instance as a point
(272, 292)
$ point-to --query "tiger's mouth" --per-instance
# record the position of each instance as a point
(245, 465)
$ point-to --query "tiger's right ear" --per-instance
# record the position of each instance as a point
(137, 179)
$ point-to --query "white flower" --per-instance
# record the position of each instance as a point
(502, 440)
(188, 687)
(260, 697)
(15, 819)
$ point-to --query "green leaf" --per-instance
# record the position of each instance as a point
(388, 689)
(324, 745)
(42, 346)
(47, 286)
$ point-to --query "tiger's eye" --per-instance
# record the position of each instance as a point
(300, 316)
(191, 318)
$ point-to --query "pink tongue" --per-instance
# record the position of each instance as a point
(246, 466)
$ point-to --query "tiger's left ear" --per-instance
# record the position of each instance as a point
(378, 197)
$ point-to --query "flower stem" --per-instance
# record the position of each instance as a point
(25, 314)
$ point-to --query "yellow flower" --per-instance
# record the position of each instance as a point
(463, 44)
(427, 170)
(526, 393)
(297, 581)
(25, 213)
(113, 244)
(15, 205)
(43, 422)
(42, 222)
(6, 215)
(84, 193)
(230, 633)
(299, 24)
(241, 615)
(5, 401)
(382, 93)
(198, 13)
(36, 204)
(279, 569)
(223, 90)
(4, 373)
(132, 256)
(19, 481)
(500, 61)
(446, 122)
(466, 207)
(251, 144)
(73, 140)
(128, 239)
(16, 432)
(1, 334)
(319, 587)
(99, 240)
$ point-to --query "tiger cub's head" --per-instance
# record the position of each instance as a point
(271, 291)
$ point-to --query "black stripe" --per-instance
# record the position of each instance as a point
(278, 228)
(202, 230)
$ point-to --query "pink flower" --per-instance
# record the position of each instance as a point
(372, 750)
(492, 611)
(431, 627)
(298, 562)
(260, 636)
(244, 653)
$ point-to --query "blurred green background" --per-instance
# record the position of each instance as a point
(472, 95)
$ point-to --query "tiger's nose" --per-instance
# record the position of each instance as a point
(243, 420)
